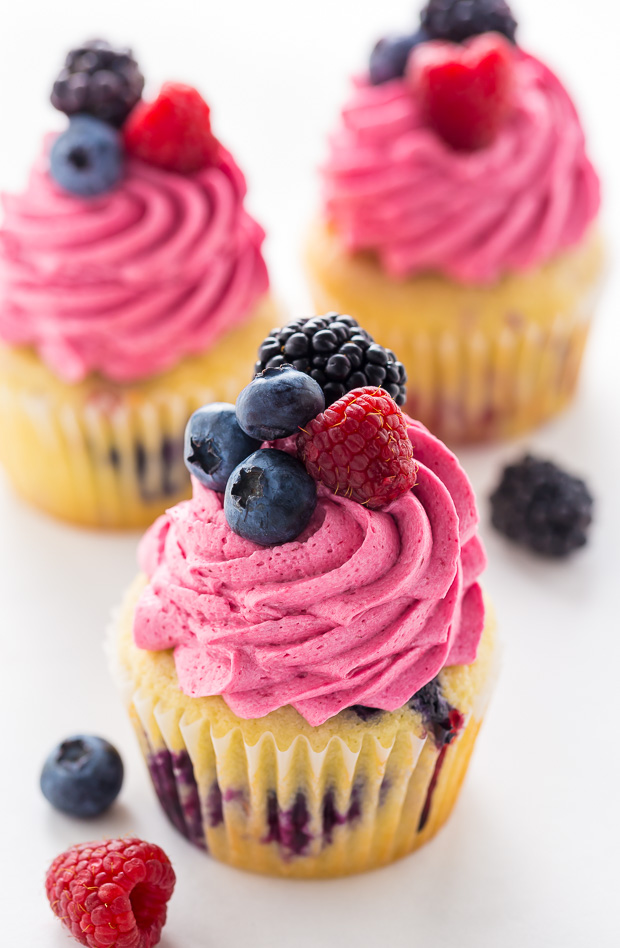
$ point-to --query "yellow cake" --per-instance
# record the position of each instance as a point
(106, 454)
(483, 362)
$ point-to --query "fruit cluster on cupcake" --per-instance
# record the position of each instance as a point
(268, 452)
(100, 90)
(459, 65)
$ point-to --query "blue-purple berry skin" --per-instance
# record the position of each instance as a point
(270, 498)
(215, 444)
(82, 776)
(278, 402)
(87, 159)
(388, 59)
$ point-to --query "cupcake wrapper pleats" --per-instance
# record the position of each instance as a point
(107, 455)
(297, 811)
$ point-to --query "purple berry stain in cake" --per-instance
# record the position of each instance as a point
(173, 778)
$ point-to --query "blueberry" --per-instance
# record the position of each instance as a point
(82, 776)
(388, 59)
(215, 444)
(87, 159)
(270, 498)
(278, 402)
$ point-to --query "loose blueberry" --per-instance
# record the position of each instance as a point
(388, 59)
(82, 776)
(215, 444)
(87, 159)
(278, 402)
(270, 498)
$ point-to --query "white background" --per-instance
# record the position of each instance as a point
(530, 857)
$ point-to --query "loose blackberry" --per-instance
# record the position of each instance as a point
(98, 80)
(456, 20)
(337, 353)
(542, 507)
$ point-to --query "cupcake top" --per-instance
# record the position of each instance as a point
(460, 153)
(333, 568)
(130, 247)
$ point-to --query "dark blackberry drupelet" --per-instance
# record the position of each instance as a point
(540, 506)
(457, 20)
(336, 352)
(98, 80)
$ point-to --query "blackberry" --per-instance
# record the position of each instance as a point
(337, 353)
(98, 80)
(540, 506)
(456, 20)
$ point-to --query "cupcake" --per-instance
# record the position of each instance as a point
(131, 283)
(460, 220)
(306, 654)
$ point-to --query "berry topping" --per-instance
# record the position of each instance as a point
(456, 20)
(278, 402)
(215, 444)
(112, 892)
(359, 447)
(98, 80)
(388, 59)
(540, 506)
(337, 353)
(270, 498)
(82, 776)
(87, 159)
(174, 131)
(465, 92)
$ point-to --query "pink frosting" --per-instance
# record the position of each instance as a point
(393, 186)
(365, 607)
(128, 283)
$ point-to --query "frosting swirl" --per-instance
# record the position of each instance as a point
(393, 186)
(365, 607)
(128, 283)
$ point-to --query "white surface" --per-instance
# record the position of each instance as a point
(530, 857)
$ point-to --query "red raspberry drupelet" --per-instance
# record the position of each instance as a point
(359, 447)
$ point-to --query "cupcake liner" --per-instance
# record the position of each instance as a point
(109, 455)
(483, 362)
(274, 795)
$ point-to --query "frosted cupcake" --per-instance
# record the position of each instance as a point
(306, 655)
(131, 281)
(459, 220)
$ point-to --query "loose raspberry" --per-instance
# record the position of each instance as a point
(174, 131)
(112, 892)
(359, 447)
(466, 92)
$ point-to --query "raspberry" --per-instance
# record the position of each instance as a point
(98, 80)
(456, 20)
(174, 131)
(465, 92)
(337, 353)
(359, 447)
(112, 892)
(538, 505)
